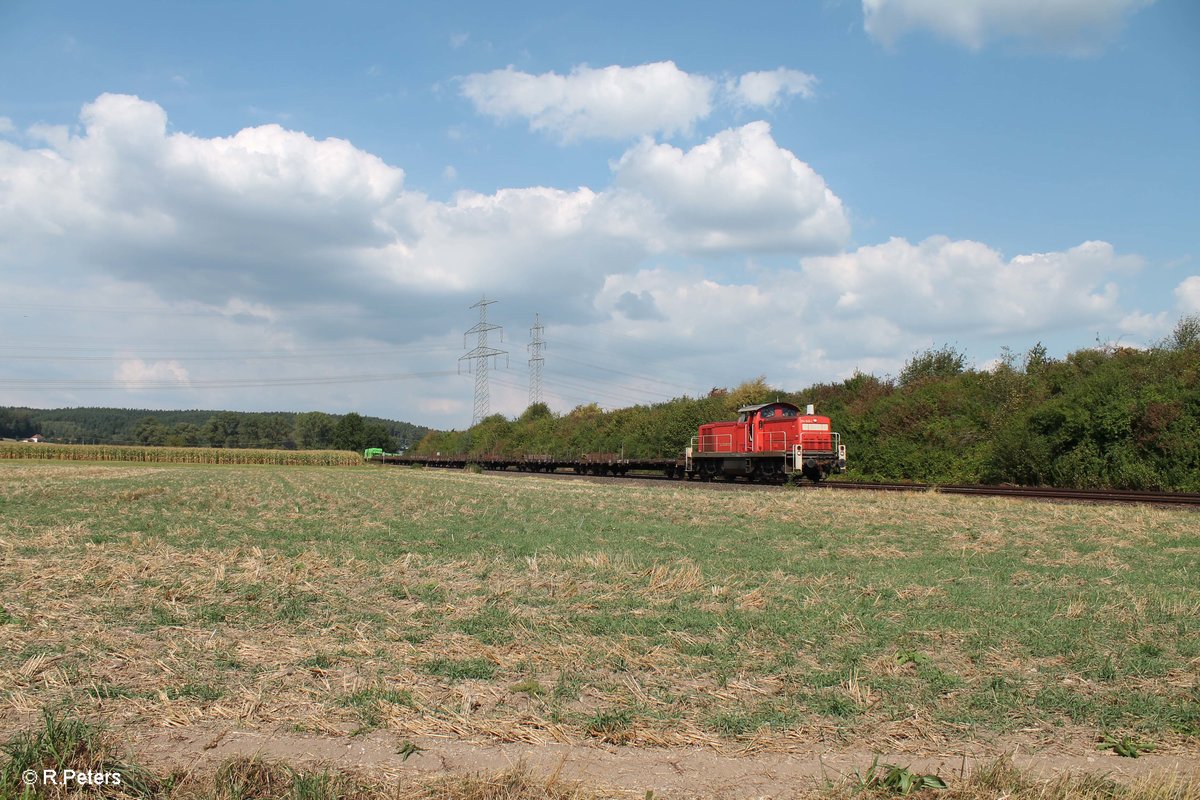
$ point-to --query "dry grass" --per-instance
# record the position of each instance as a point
(341, 601)
(255, 779)
(1001, 780)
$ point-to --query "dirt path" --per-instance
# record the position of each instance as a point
(669, 772)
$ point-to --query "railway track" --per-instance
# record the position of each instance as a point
(1116, 496)
(1035, 492)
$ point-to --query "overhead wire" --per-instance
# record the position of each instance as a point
(646, 378)
(575, 346)
(575, 399)
(32, 384)
(618, 392)
(571, 385)
(179, 356)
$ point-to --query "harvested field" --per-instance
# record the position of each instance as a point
(226, 603)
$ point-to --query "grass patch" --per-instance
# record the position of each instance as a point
(318, 661)
(109, 691)
(528, 686)
(201, 692)
(461, 668)
(610, 726)
(491, 625)
(741, 722)
(65, 742)
(369, 705)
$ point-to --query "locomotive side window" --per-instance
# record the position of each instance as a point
(788, 412)
(767, 413)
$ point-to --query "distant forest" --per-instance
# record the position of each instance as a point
(1111, 417)
(287, 430)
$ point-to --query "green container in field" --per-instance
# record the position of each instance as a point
(371, 452)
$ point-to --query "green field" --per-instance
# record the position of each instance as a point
(345, 600)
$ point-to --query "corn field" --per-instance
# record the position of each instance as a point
(178, 455)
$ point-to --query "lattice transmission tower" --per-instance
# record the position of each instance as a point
(479, 359)
(536, 360)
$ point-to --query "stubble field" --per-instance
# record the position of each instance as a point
(393, 609)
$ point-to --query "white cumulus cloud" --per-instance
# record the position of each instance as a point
(768, 89)
(1144, 328)
(739, 189)
(198, 218)
(942, 285)
(1076, 27)
(268, 221)
(618, 102)
(1187, 294)
(609, 102)
(869, 308)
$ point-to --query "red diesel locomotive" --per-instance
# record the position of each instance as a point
(768, 442)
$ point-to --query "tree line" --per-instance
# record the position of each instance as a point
(314, 430)
(1101, 417)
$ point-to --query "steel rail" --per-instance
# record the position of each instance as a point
(1116, 496)
(1032, 492)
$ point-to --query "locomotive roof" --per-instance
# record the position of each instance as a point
(745, 409)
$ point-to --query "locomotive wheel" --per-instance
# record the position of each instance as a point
(768, 472)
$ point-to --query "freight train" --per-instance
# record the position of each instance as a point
(768, 443)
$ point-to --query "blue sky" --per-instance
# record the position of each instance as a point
(219, 204)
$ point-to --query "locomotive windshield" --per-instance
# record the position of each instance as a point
(768, 411)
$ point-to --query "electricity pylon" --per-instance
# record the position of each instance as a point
(479, 358)
(535, 360)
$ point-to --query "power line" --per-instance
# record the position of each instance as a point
(658, 378)
(645, 378)
(268, 317)
(605, 395)
(31, 384)
(574, 399)
(596, 389)
(184, 356)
